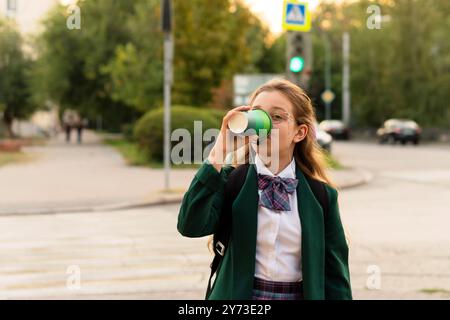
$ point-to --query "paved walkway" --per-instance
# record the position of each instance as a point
(94, 177)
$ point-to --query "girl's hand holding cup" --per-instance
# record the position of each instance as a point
(225, 140)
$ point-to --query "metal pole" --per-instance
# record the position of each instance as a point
(346, 102)
(289, 51)
(327, 75)
(168, 79)
(308, 55)
(168, 53)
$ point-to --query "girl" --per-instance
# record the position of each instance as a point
(282, 245)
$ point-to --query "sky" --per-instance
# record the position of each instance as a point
(271, 12)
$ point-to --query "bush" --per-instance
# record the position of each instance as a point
(127, 131)
(149, 130)
(218, 114)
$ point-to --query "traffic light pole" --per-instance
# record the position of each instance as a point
(290, 75)
(168, 75)
(308, 52)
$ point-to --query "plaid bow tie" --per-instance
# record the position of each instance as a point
(275, 192)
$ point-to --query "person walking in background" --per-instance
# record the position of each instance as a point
(286, 240)
(69, 119)
(80, 125)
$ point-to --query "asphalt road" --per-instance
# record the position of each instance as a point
(397, 225)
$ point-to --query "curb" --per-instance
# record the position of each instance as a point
(100, 208)
(365, 177)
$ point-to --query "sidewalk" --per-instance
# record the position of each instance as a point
(94, 177)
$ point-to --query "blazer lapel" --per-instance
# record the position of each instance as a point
(313, 246)
(244, 229)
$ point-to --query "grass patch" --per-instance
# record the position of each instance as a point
(135, 156)
(435, 290)
(130, 151)
(13, 157)
(332, 162)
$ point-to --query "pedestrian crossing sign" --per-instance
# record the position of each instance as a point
(296, 16)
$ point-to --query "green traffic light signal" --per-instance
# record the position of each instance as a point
(297, 64)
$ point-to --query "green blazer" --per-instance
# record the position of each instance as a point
(324, 247)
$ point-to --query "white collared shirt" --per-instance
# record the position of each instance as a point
(278, 243)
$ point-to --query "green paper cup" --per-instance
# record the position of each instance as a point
(249, 123)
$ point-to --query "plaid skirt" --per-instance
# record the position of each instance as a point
(270, 290)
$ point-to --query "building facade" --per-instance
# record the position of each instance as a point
(27, 13)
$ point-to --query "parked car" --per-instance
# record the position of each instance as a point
(402, 130)
(324, 139)
(336, 128)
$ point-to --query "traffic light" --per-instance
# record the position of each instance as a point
(296, 65)
(299, 58)
(166, 13)
(296, 54)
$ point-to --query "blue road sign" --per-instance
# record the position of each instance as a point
(296, 16)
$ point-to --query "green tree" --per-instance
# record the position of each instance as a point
(371, 64)
(420, 68)
(69, 70)
(14, 67)
(213, 42)
(273, 59)
(136, 70)
(399, 70)
(113, 66)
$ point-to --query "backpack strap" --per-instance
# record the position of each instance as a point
(234, 184)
